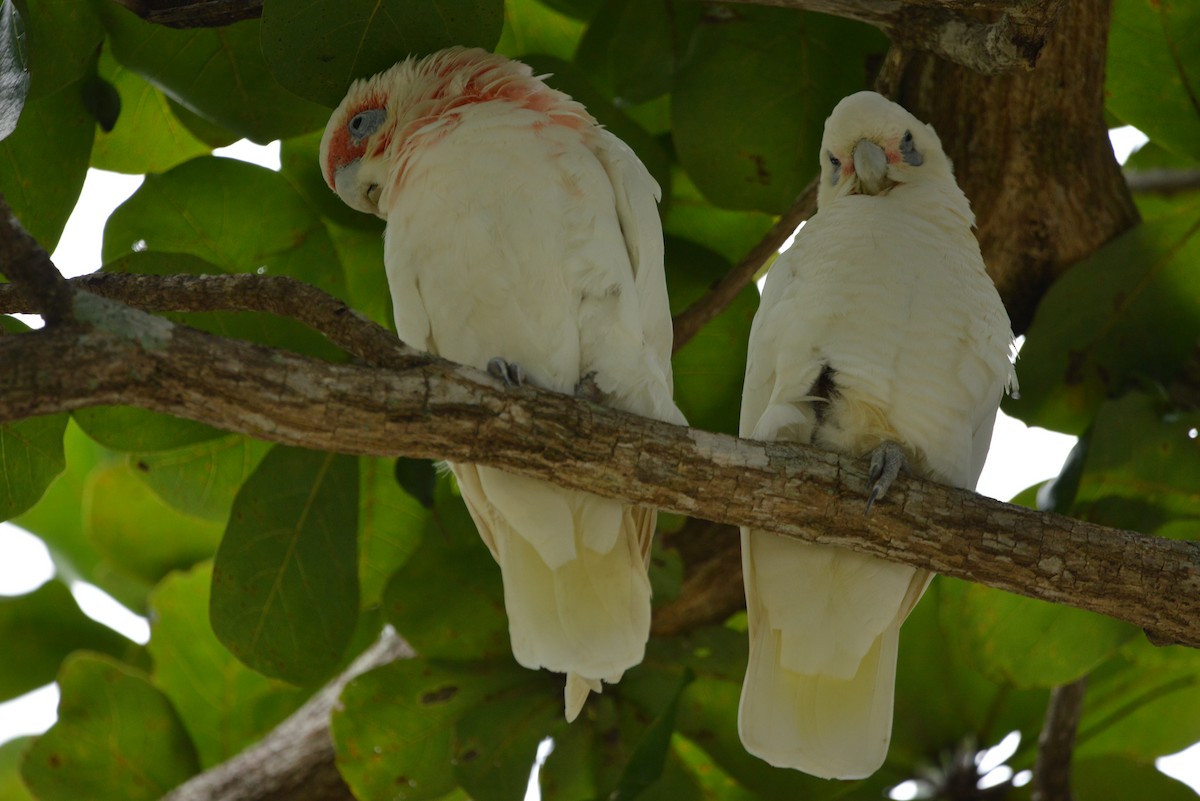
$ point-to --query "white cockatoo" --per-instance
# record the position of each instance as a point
(525, 239)
(880, 334)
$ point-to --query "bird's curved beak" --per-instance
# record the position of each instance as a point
(352, 189)
(871, 165)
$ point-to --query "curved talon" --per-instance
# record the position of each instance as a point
(887, 461)
(587, 388)
(509, 372)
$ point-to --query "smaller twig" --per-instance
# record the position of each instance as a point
(27, 264)
(688, 322)
(1056, 743)
(275, 294)
(194, 13)
(1162, 182)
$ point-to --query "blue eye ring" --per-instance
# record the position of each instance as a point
(365, 123)
(835, 161)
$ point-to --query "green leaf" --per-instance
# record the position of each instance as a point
(646, 764)
(1113, 779)
(147, 136)
(691, 216)
(631, 47)
(531, 26)
(390, 523)
(1090, 335)
(395, 728)
(709, 369)
(715, 784)
(447, 597)
(14, 67)
(418, 478)
(63, 38)
(238, 216)
(117, 738)
(12, 788)
(750, 101)
(285, 582)
(137, 532)
(58, 519)
(39, 629)
(218, 74)
(31, 453)
(1154, 70)
(128, 428)
(361, 253)
(1140, 454)
(317, 49)
(201, 479)
(224, 705)
(40, 175)
(1025, 642)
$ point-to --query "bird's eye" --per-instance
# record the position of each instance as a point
(837, 168)
(908, 150)
(365, 123)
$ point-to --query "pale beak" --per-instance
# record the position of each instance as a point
(871, 165)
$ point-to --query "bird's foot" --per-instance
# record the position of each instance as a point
(587, 389)
(509, 372)
(887, 461)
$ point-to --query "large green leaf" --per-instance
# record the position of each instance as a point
(58, 520)
(14, 67)
(238, 216)
(691, 216)
(316, 49)
(147, 136)
(39, 629)
(137, 532)
(117, 737)
(1024, 642)
(751, 98)
(1141, 465)
(1126, 312)
(12, 788)
(710, 368)
(447, 598)
(128, 428)
(224, 705)
(201, 479)
(218, 74)
(1153, 75)
(391, 524)
(63, 37)
(631, 47)
(1114, 779)
(41, 175)
(395, 729)
(31, 452)
(285, 582)
(531, 26)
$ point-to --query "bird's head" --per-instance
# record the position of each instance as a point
(382, 118)
(872, 145)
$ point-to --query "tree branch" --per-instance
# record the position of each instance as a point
(194, 13)
(1056, 743)
(986, 36)
(24, 262)
(295, 762)
(437, 409)
(689, 321)
(1162, 182)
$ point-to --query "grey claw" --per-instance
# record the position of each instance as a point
(509, 372)
(886, 463)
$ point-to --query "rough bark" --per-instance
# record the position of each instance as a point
(438, 409)
(1031, 151)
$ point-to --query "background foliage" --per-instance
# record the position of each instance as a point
(264, 569)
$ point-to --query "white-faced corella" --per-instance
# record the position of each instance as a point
(879, 334)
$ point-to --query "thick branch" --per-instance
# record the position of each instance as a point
(689, 321)
(295, 762)
(24, 262)
(1056, 743)
(986, 36)
(438, 409)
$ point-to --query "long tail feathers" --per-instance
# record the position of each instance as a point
(577, 605)
(824, 627)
